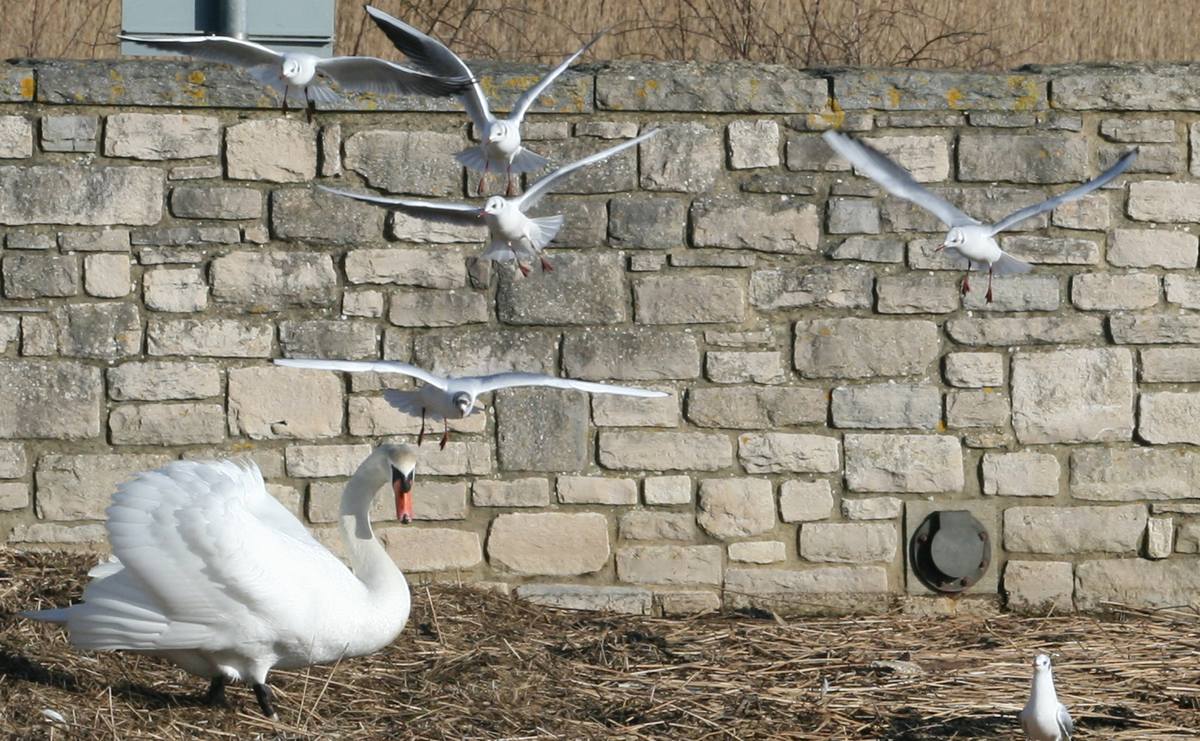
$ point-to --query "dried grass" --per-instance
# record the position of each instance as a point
(974, 33)
(477, 665)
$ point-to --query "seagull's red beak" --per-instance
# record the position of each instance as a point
(402, 487)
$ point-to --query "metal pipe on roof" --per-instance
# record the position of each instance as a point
(233, 18)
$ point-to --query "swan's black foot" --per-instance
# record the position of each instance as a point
(216, 691)
(266, 700)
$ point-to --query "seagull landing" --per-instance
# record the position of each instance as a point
(967, 236)
(449, 397)
(513, 236)
(500, 138)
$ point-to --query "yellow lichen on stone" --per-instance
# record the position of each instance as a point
(196, 77)
(488, 85)
(954, 98)
(894, 97)
(832, 117)
(28, 88)
(1029, 99)
(522, 83)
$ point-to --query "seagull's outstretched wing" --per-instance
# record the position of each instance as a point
(360, 366)
(539, 189)
(894, 178)
(371, 75)
(529, 96)
(214, 48)
(446, 212)
(512, 380)
(435, 57)
(1066, 726)
(1066, 197)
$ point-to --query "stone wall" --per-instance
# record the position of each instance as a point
(828, 385)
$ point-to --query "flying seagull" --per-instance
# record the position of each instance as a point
(500, 138)
(448, 397)
(967, 236)
(286, 72)
(1044, 717)
(512, 234)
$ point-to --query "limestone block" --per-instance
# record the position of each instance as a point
(832, 287)
(783, 225)
(1051, 405)
(1038, 587)
(753, 144)
(596, 490)
(744, 367)
(1065, 530)
(427, 549)
(848, 542)
(1145, 248)
(903, 463)
(271, 281)
(665, 451)
(688, 299)
(1024, 473)
(106, 275)
(750, 407)
(758, 551)
(684, 157)
(230, 338)
(529, 492)
(861, 348)
(196, 202)
(736, 508)
(887, 406)
(667, 489)
(542, 429)
(776, 452)
(176, 290)
(624, 600)
(40, 276)
(55, 399)
(633, 354)
(1022, 158)
(585, 288)
(329, 338)
(414, 162)
(271, 402)
(648, 525)
(1115, 291)
(278, 150)
(669, 564)
(974, 369)
(805, 501)
(640, 221)
(549, 543)
(157, 136)
(1136, 582)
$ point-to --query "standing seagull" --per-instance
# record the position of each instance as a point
(1044, 717)
(307, 73)
(967, 236)
(500, 139)
(512, 234)
(448, 397)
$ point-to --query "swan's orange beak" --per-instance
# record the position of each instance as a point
(402, 487)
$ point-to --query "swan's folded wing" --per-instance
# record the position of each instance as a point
(513, 380)
(211, 547)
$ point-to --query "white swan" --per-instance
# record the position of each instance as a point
(213, 574)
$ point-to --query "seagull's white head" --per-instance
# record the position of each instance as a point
(956, 237)
(495, 205)
(463, 402)
(1041, 663)
(498, 132)
(402, 466)
(291, 67)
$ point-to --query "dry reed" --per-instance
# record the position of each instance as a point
(476, 665)
(975, 33)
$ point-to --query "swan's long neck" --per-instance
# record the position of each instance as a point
(368, 559)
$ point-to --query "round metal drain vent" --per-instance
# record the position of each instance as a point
(950, 551)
